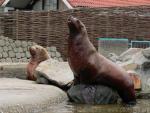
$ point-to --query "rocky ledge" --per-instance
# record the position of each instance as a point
(22, 96)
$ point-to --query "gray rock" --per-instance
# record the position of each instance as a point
(57, 73)
(2, 43)
(27, 54)
(53, 54)
(6, 38)
(113, 57)
(24, 44)
(92, 94)
(127, 55)
(5, 55)
(10, 40)
(18, 43)
(3, 60)
(58, 54)
(23, 96)
(146, 52)
(10, 48)
(11, 54)
(5, 48)
(18, 55)
(22, 55)
(53, 49)
(13, 45)
(8, 60)
(25, 49)
(29, 43)
(1, 49)
(16, 50)
(24, 60)
(15, 60)
(55, 58)
(1, 56)
(60, 59)
(7, 43)
(20, 49)
(48, 49)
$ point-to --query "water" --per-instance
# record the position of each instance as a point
(143, 106)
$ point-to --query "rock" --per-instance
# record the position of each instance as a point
(22, 96)
(53, 49)
(57, 73)
(1, 49)
(60, 59)
(5, 55)
(25, 49)
(20, 49)
(11, 54)
(113, 57)
(22, 55)
(127, 55)
(139, 58)
(136, 79)
(146, 52)
(1, 56)
(7, 43)
(16, 50)
(8, 60)
(53, 54)
(92, 94)
(18, 55)
(29, 43)
(24, 60)
(18, 43)
(27, 54)
(10, 48)
(2, 43)
(14, 60)
(3, 60)
(129, 65)
(5, 48)
(58, 54)
(11, 40)
(24, 44)
(13, 45)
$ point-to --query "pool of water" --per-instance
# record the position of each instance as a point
(143, 106)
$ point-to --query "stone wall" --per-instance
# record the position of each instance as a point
(17, 51)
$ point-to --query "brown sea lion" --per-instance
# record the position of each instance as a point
(38, 54)
(90, 67)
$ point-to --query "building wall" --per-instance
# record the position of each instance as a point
(62, 6)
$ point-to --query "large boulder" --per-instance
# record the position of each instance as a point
(54, 72)
(23, 96)
(146, 52)
(92, 94)
(127, 55)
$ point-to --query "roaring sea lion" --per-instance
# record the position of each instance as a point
(38, 54)
(90, 67)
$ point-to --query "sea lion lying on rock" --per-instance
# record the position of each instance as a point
(38, 54)
(90, 67)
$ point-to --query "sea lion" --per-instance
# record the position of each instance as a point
(90, 67)
(38, 54)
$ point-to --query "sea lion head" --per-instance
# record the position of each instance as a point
(38, 53)
(76, 27)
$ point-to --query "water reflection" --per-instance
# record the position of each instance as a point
(143, 106)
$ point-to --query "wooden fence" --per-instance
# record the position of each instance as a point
(50, 28)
